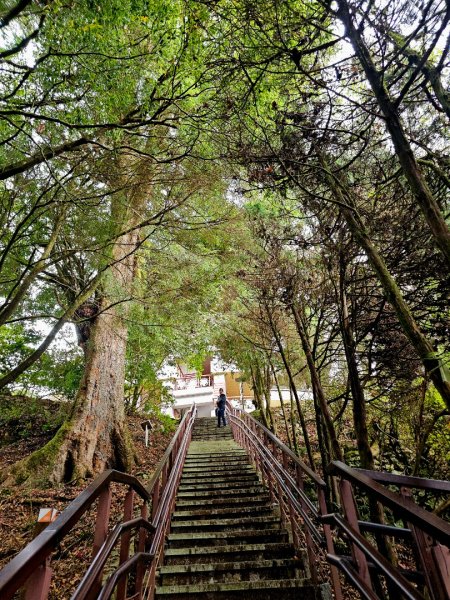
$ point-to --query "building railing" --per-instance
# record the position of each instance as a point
(144, 535)
(192, 381)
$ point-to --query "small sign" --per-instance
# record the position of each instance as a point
(47, 515)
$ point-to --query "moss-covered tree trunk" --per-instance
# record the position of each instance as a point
(95, 436)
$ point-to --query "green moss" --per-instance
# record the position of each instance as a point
(37, 467)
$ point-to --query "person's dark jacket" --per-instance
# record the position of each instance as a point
(221, 401)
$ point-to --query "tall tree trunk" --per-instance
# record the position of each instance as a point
(267, 389)
(359, 401)
(283, 410)
(433, 364)
(411, 169)
(317, 386)
(257, 389)
(293, 388)
(360, 413)
(95, 436)
(292, 415)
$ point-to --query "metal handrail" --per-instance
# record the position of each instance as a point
(344, 565)
(284, 476)
(160, 466)
(163, 499)
(393, 575)
(295, 505)
(407, 481)
(21, 567)
(97, 565)
(125, 568)
(430, 523)
(160, 491)
(429, 534)
(273, 438)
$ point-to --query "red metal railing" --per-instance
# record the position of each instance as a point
(299, 491)
(300, 494)
(31, 568)
(427, 573)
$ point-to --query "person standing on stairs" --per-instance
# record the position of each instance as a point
(221, 402)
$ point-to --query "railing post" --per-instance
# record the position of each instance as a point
(312, 556)
(436, 572)
(292, 520)
(38, 585)
(323, 510)
(141, 548)
(155, 498)
(350, 513)
(101, 524)
(125, 543)
(281, 501)
(269, 474)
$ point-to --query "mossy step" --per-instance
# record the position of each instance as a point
(209, 512)
(235, 552)
(223, 432)
(207, 458)
(199, 479)
(228, 444)
(207, 436)
(219, 469)
(216, 462)
(262, 590)
(238, 502)
(222, 492)
(231, 452)
(231, 483)
(282, 568)
(225, 452)
(223, 538)
(266, 522)
(216, 448)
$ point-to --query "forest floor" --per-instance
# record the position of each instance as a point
(19, 507)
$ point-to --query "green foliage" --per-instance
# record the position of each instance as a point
(22, 417)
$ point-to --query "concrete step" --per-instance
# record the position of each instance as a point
(284, 568)
(208, 436)
(216, 525)
(221, 493)
(223, 512)
(193, 502)
(218, 469)
(288, 589)
(229, 553)
(214, 456)
(230, 484)
(213, 463)
(200, 448)
(224, 538)
(208, 453)
(244, 478)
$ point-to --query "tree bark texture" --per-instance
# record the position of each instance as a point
(97, 438)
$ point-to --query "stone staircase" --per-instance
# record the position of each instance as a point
(226, 540)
